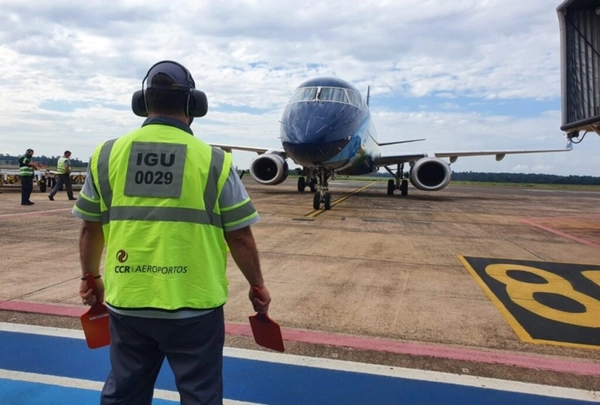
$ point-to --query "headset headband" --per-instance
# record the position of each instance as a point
(182, 79)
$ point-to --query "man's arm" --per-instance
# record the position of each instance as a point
(91, 244)
(243, 250)
(67, 166)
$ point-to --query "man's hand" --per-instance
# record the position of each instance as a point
(260, 299)
(87, 298)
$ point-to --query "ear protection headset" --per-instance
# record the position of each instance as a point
(197, 104)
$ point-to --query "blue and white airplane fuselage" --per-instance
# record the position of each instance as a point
(327, 123)
(327, 128)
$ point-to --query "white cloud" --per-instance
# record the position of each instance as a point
(69, 68)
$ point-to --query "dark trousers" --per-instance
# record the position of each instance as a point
(193, 347)
(66, 180)
(26, 188)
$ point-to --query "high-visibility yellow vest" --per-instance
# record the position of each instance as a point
(60, 166)
(165, 247)
(25, 170)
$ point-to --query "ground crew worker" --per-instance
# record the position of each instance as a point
(166, 205)
(26, 172)
(63, 171)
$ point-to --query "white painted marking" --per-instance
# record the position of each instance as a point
(88, 385)
(355, 367)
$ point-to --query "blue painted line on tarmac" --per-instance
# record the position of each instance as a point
(253, 380)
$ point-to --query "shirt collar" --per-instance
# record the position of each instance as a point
(168, 121)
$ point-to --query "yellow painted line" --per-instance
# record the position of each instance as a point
(315, 213)
(512, 321)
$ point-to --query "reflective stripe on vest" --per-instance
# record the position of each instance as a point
(162, 252)
(60, 166)
(26, 170)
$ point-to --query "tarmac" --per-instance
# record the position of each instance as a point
(377, 279)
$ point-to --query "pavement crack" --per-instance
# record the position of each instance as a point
(40, 289)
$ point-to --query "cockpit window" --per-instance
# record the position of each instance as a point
(332, 94)
(355, 99)
(305, 94)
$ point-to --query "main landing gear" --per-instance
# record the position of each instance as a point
(399, 182)
(303, 183)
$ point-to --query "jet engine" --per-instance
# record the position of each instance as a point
(430, 174)
(269, 168)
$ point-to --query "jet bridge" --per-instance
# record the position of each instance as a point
(580, 66)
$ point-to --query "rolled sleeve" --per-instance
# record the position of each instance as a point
(237, 211)
(87, 206)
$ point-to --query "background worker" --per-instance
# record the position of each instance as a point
(26, 172)
(63, 172)
(166, 205)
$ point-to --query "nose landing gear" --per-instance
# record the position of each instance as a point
(322, 195)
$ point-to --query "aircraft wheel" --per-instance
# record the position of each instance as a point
(313, 185)
(327, 202)
(317, 200)
(301, 184)
(42, 184)
(391, 187)
(404, 188)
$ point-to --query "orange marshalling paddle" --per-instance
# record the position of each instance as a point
(95, 321)
(266, 331)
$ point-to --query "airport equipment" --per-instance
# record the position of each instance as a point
(43, 178)
(579, 22)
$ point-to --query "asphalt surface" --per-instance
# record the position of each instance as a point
(375, 266)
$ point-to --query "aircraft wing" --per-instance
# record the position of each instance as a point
(229, 148)
(391, 160)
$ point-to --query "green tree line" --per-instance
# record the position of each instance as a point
(6, 159)
(531, 178)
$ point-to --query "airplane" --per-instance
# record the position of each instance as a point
(327, 129)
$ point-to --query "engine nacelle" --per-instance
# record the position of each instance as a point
(430, 174)
(269, 168)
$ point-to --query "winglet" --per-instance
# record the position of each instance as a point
(368, 94)
(569, 144)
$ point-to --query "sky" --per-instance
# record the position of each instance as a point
(466, 75)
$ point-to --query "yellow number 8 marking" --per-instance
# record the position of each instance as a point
(522, 294)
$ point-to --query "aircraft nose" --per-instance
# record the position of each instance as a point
(312, 130)
(316, 122)
(314, 133)
(316, 153)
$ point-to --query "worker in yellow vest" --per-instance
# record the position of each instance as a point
(27, 172)
(166, 205)
(63, 173)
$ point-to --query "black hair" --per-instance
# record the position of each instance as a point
(160, 101)
(67, 152)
